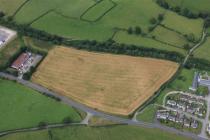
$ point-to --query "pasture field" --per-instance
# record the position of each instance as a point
(203, 51)
(95, 12)
(10, 6)
(123, 37)
(110, 83)
(183, 24)
(122, 132)
(36, 8)
(22, 107)
(94, 20)
(75, 29)
(195, 6)
(170, 37)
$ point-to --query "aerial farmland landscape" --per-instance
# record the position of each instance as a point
(104, 69)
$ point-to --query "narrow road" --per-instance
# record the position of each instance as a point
(195, 47)
(89, 110)
(206, 121)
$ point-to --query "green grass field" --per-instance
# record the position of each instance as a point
(148, 114)
(72, 8)
(170, 37)
(38, 135)
(192, 5)
(203, 51)
(22, 107)
(208, 30)
(123, 132)
(123, 37)
(98, 10)
(183, 24)
(182, 82)
(69, 18)
(8, 51)
(10, 6)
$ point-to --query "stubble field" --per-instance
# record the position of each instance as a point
(110, 83)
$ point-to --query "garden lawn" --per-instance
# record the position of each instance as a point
(22, 107)
(203, 51)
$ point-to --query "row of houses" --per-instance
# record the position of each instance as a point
(187, 107)
(176, 118)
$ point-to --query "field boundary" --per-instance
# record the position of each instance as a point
(65, 16)
(173, 30)
(20, 7)
(101, 16)
(31, 129)
(163, 42)
(39, 17)
(152, 99)
(148, 37)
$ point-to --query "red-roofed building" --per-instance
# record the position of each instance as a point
(20, 61)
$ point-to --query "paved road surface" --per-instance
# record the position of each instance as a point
(84, 108)
(206, 120)
(195, 47)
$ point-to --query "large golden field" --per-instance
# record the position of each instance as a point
(115, 84)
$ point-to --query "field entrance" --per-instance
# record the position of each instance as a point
(110, 83)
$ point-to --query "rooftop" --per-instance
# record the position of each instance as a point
(20, 60)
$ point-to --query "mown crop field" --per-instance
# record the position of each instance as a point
(95, 133)
(22, 107)
(102, 20)
(111, 83)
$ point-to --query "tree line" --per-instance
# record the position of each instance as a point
(186, 12)
(109, 46)
(198, 64)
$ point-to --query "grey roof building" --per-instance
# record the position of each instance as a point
(195, 82)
